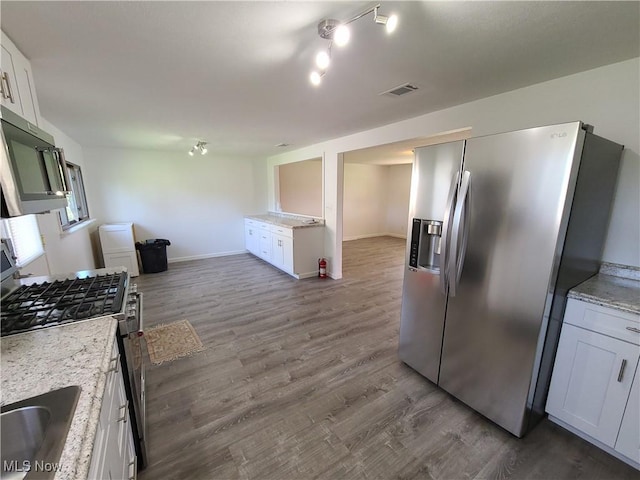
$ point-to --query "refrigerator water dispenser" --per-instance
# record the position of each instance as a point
(425, 244)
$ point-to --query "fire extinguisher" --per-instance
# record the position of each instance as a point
(322, 268)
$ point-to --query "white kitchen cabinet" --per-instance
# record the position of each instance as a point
(293, 250)
(628, 442)
(282, 252)
(118, 246)
(113, 454)
(251, 236)
(264, 242)
(18, 90)
(592, 387)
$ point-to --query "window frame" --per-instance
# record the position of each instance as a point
(77, 199)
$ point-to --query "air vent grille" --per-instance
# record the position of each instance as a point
(400, 90)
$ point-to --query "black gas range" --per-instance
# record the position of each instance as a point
(57, 302)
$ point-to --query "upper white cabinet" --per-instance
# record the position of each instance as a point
(118, 246)
(292, 250)
(18, 91)
(594, 387)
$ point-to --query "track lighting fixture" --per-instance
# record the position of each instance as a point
(198, 147)
(338, 32)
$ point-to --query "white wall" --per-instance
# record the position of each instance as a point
(197, 203)
(376, 200)
(606, 97)
(398, 193)
(365, 200)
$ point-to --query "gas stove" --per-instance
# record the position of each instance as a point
(47, 304)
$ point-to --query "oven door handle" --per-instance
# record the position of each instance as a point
(140, 314)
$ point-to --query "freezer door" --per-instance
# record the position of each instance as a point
(423, 302)
(521, 184)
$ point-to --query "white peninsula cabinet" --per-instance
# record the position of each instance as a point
(113, 450)
(293, 249)
(594, 387)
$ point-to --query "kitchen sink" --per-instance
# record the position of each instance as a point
(34, 432)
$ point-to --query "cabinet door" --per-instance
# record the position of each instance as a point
(264, 244)
(26, 89)
(287, 253)
(282, 252)
(129, 260)
(591, 382)
(628, 443)
(117, 238)
(277, 256)
(10, 97)
(251, 239)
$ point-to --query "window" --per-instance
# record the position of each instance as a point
(76, 210)
(25, 238)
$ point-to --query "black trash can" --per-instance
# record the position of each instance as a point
(153, 254)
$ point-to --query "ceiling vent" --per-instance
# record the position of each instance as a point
(400, 90)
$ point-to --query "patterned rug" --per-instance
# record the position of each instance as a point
(172, 341)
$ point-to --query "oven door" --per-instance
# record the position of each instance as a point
(132, 343)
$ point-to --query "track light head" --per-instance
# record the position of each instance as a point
(338, 32)
(198, 147)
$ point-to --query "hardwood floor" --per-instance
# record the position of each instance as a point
(301, 380)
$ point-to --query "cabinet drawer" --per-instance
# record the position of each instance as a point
(248, 221)
(608, 321)
(284, 231)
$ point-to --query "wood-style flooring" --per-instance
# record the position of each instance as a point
(301, 380)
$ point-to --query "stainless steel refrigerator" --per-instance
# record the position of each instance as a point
(500, 228)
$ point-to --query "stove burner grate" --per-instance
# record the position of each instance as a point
(62, 301)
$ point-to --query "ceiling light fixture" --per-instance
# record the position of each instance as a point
(338, 32)
(198, 147)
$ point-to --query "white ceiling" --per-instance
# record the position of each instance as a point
(162, 75)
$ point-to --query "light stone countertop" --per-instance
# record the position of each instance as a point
(288, 221)
(78, 353)
(609, 291)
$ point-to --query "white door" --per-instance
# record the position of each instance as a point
(591, 382)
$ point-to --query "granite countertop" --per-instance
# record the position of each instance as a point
(610, 291)
(37, 362)
(288, 221)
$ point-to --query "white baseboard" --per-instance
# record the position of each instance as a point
(206, 255)
(372, 235)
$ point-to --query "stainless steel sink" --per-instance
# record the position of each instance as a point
(34, 432)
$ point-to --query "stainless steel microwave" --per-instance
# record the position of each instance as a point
(32, 169)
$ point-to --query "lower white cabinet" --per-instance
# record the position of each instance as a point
(594, 387)
(293, 250)
(251, 238)
(628, 443)
(113, 454)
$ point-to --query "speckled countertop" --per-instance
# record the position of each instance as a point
(75, 354)
(620, 291)
(288, 221)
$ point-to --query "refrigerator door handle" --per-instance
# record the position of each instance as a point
(444, 239)
(458, 247)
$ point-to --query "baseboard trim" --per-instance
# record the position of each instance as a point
(206, 255)
(373, 235)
